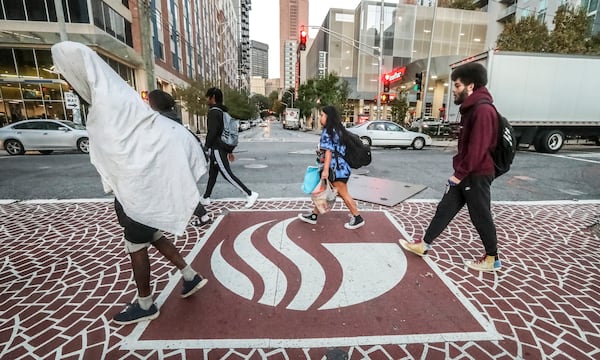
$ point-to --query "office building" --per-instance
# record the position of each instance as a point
(292, 14)
(259, 59)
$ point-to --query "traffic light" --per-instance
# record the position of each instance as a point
(386, 83)
(384, 98)
(418, 81)
(144, 94)
(303, 35)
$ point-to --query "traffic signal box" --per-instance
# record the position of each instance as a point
(418, 84)
(303, 34)
(386, 83)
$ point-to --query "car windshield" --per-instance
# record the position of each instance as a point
(72, 124)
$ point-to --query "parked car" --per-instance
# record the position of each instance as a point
(387, 133)
(431, 126)
(244, 125)
(43, 135)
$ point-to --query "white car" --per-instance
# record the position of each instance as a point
(388, 133)
(44, 136)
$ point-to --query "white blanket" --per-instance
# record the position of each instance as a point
(150, 163)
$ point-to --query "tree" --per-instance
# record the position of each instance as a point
(238, 104)
(529, 34)
(288, 97)
(459, 4)
(399, 108)
(262, 103)
(570, 31)
(193, 100)
(593, 45)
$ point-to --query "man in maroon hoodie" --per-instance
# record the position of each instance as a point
(473, 167)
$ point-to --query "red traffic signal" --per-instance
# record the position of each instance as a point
(386, 83)
(303, 35)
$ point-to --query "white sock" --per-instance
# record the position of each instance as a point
(145, 302)
(188, 273)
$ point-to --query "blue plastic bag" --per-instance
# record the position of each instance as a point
(311, 179)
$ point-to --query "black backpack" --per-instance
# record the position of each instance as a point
(357, 153)
(506, 144)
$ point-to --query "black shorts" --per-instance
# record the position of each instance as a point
(134, 231)
(332, 177)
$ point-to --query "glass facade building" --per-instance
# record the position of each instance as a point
(29, 89)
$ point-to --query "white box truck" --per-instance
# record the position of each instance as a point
(546, 97)
(291, 118)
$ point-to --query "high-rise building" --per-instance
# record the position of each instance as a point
(244, 68)
(259, 58)
(292, 15)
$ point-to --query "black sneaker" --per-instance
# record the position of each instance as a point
(134, 313)
(308, 218)
(198, 221)
(190, 287)
(355, 222)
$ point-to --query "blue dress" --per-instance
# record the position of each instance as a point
(338, 150)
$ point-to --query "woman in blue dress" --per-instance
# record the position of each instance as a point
(335, 168)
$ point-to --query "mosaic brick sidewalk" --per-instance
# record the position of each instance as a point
(63, 275)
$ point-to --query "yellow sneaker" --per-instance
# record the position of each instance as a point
(486, 263)
(420, 247)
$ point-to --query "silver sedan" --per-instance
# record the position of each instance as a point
(388, 133)
(44, 136)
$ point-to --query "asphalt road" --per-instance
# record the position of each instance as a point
(272, 161)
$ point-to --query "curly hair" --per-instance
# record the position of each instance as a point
(471, 73)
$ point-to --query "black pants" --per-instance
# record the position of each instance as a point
(219, 163)
(474, 191)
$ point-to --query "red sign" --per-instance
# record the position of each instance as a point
(395, 74)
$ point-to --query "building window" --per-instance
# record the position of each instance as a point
(16, 11)
(36, 10)
(78, 11)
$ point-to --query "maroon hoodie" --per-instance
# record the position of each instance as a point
(477, 136)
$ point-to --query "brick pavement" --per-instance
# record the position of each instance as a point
(63, 274)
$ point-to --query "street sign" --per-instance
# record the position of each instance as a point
(71, 100)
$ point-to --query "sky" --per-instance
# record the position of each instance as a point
(264, 23)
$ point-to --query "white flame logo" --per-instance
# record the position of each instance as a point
(368, 270)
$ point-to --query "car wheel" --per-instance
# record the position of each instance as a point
(365, 140)
(14, 147)
(83, 145)
(418, 143)
(46, 152)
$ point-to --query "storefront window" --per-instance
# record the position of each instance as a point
(25, 62)
(15, 110)
(45, 63)
(55, 110)
(7, 62)
(11, 91)
(51, 92)
(31, 91)
(35, 110)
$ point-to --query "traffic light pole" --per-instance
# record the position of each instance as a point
(380, 62)
(426, 85)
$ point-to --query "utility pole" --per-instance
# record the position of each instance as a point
(427, 74)
(380, 61)
(146, 38)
